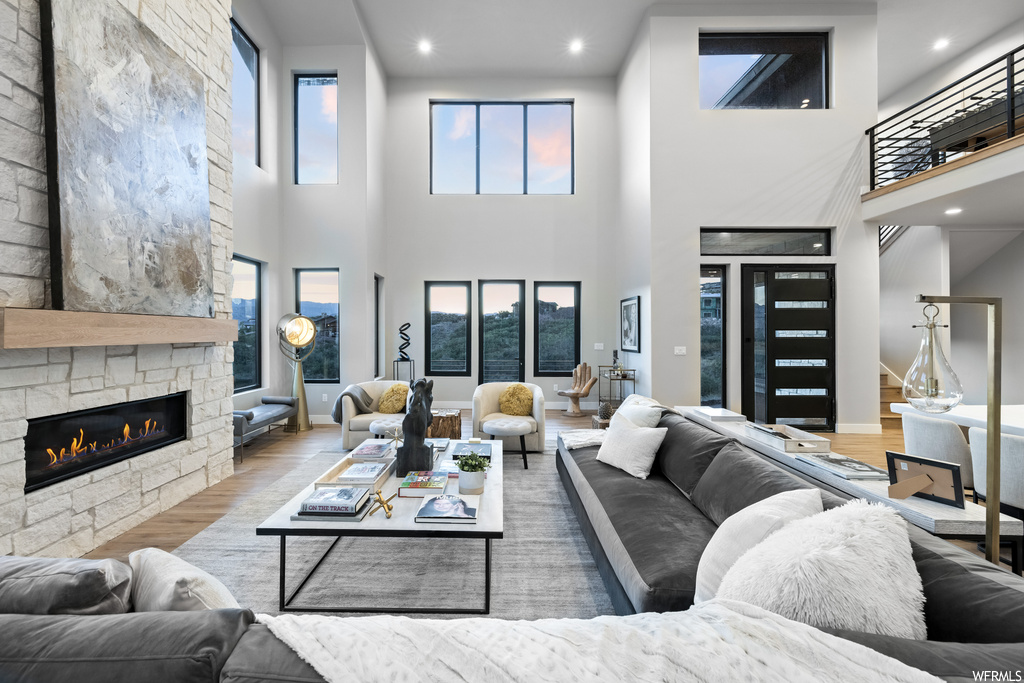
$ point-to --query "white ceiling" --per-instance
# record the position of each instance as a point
(530, 38)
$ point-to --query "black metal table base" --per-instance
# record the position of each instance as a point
(285, 603)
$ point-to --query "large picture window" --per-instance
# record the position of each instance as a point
(763, 71)
(245, 308)
(501, 147)
(502, 330)
(245, 95)
(316, 129)
(556, 328)
(317, 297)
(447, 325)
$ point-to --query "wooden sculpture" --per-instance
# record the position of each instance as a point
(582, 383)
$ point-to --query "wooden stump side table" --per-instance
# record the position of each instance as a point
(445, 424)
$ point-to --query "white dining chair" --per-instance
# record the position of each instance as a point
(939, 440)
(1011, 469)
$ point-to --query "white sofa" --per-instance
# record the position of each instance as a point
(485, 407)
(355, 426)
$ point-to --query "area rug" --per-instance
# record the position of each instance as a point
(541, 568)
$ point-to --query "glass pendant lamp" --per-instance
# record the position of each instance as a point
(930, 385)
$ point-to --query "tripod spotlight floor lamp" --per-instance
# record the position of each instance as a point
(297, 337)
(931, 386)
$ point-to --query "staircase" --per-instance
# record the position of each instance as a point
(889, 394)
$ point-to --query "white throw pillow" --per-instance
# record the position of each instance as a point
(849, 568)
(163, 583)
(745, 529)
(632, 449)
(637, 400)
(638, 415)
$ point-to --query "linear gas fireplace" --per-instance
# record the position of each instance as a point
(61, 446)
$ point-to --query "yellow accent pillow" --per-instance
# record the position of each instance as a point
(516, 400)
(393, 399)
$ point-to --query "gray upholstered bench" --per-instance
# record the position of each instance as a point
(274, 409)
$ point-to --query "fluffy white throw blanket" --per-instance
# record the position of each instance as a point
(580, 438)
(718, 640)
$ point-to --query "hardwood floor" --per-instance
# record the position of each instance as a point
(271, 456)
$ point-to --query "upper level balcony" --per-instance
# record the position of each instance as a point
(975, 124)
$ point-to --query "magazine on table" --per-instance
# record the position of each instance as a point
(345, 500)
(842, 466)
(370, 449)
(449, 509)
(450, 467)
(362, 473)
(421, 484)
(481, 449)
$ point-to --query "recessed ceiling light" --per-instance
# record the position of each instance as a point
(817, 245)
(941, 44)
(807, 101)
(803, 106)
(576, 46)
(954, 211)
(425, 47)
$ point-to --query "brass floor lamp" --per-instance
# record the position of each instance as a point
(297, 339)
(925, 387)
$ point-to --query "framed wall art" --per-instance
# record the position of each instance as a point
(126, 158)
(629, 332)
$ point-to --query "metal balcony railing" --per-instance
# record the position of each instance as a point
(980, 109)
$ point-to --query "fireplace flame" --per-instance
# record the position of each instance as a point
(78, 444)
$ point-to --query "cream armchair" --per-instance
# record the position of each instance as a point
(355, 426)
(940, 440)
(1011, 469)
(486, 408)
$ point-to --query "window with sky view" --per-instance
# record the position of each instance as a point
(447, 323)
(317, 297)
(501, 148)
(245, 308)
(245, 100)
(316, 129)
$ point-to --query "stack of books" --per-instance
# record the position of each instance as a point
(481, 449)
(449, 509)
(343, 504)
(373, 448)
(421, 484)
(363, 473)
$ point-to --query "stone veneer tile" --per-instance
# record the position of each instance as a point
(88, 361)
(49, 399)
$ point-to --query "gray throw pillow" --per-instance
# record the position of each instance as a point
(40, 585)
(687, 451)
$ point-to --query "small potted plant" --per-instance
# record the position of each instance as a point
(472, 471)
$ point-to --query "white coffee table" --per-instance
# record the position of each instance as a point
(489, 525)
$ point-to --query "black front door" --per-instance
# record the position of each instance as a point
(789, 345)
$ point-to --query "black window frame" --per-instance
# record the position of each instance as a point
(577, 346)
(295, 125)
(526, 151)
(378, 291)
(298, 309)
(522, 324)
(259, 90)
(259, 323)
(825, 231)
(826, 61)
(468, 284)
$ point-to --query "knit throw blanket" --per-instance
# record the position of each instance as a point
(719, 640)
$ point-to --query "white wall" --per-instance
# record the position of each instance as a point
(632, 266)
(761, 168)
(916, 263)
(958, 66)
(256, 199)
(533, 237)
(1001, 276)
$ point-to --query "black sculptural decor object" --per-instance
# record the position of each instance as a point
(404, 366)
(413, 454)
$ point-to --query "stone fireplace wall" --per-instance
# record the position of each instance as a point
(74, 516)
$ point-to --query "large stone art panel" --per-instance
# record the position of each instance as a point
(127, 165)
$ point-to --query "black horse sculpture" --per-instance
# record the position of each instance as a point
(413, 454)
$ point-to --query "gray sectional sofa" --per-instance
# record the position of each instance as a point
(647, 537)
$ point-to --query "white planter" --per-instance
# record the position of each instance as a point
(471, 483)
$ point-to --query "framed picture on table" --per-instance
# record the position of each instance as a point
(629, 333)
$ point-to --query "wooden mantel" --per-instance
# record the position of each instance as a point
(36, 328)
